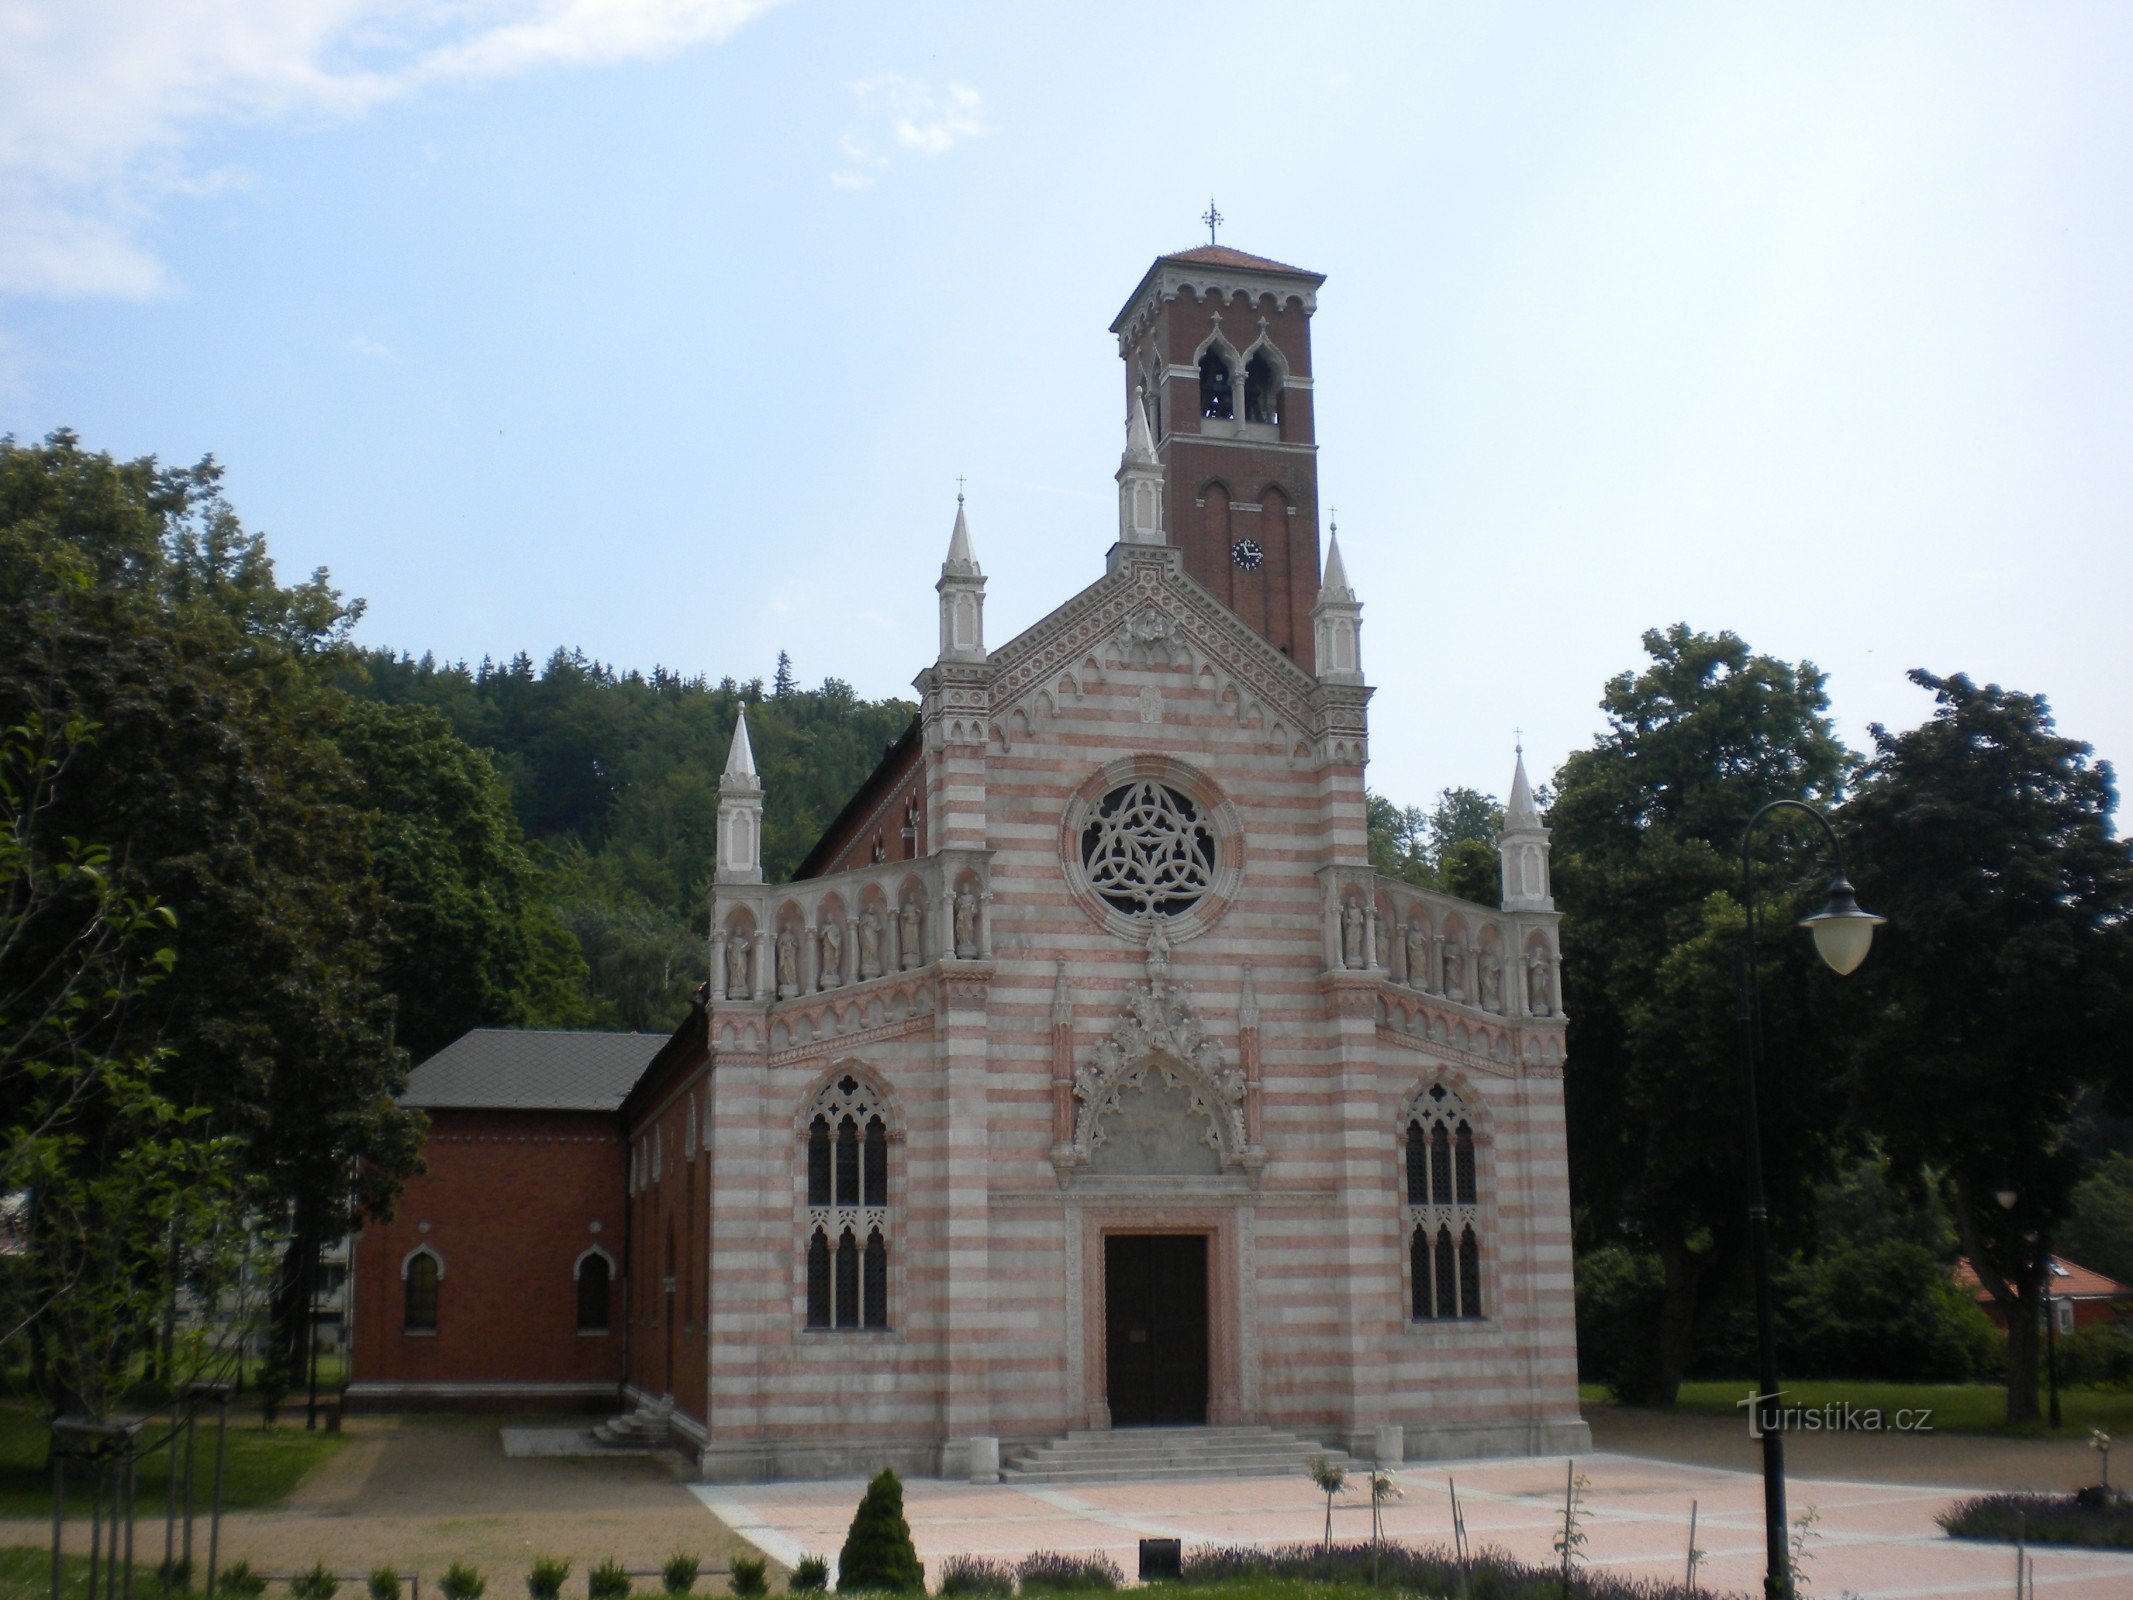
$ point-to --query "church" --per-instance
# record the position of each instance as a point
(1085, 1076)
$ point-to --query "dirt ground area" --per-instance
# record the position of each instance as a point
(1944, 1460)
(419, 1493)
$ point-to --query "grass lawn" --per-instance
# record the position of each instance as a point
(1956, 1407)
(26, 1574)
(264, 1464)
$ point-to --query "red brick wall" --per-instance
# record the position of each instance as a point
(670, 1212)
(1217, 492)
(509, 1202)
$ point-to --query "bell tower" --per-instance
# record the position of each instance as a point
(1217, 352)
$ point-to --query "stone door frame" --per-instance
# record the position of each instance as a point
(1227, 1230)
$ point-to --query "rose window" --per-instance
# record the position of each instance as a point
(1147, 850)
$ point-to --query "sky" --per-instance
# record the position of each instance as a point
(664, 328)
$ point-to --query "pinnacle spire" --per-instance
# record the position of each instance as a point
(1337, 620)
(740, 759)
(960, 560)
(1140, 444)
(1334, 585)
(1519, 812)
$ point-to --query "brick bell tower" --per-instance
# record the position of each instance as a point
(1217, 349)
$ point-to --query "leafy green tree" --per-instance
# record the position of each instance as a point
(1646, 828)
(1463, 816)
(614, 777)
(2098, 1231)
(122, 1193)
(470, 939)
(1451, 847)
(1399, 841)
(131, 597)
(1996, 1005)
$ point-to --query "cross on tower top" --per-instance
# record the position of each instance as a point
(1213, 218)
(958, 488)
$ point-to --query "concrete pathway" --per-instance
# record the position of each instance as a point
(1875, 1540)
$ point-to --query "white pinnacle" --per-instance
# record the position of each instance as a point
(1334, 586)
(960, 560)
(1519, 812)
(1140, 444)
(740, 759)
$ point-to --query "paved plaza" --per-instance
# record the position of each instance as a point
(1876, 1540)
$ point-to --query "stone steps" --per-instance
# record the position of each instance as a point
(1125, 1455)
(646, 1428)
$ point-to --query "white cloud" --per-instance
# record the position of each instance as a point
(99, 98)
(917, 120)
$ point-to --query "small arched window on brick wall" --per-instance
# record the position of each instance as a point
(1443, 1211)
(596, 1276)
(847, 1233)
(420, 1275)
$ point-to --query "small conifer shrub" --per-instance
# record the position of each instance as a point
(608, 1581)
(678, 1576)
(239, 1579)
(544, 1580)
(878, 1553)
(384, 1583)
(462, 1582)
(174, 1574)
(315, 1583)
(811, 1575)
(749, 1580)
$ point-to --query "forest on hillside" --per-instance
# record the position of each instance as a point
(612, 776)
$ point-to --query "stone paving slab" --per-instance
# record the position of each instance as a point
(1875, 1540)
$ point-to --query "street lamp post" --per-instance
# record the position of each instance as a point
(1842, 934)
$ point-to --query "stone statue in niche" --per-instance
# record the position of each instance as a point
(966, 925)
(1538, 999)
(1351, 935)
(869, 943)
(737, 966)
(1417, 955)
(788, 965)
(1158, 948)
(1491, 980)
(1454, 970)
(832, 955)
(912, 949)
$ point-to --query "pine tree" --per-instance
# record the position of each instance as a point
(782, 682)
(878, 1553)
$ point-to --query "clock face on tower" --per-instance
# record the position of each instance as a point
(1247, 554)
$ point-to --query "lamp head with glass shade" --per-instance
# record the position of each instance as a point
(1842, 930)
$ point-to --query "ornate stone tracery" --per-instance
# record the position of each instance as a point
(1160, 1030)
(1146, 848)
